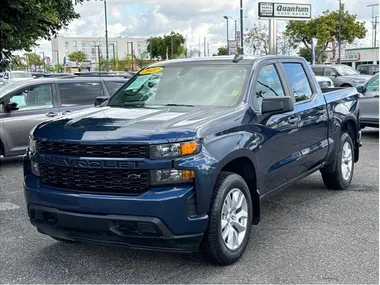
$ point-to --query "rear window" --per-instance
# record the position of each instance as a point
(79, 93)
(113, 86)
(190, 85)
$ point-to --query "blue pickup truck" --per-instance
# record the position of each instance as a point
(181, 156)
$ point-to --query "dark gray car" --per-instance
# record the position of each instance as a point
(369, 103)
(369, 69)
(25, 104)
(342, 75)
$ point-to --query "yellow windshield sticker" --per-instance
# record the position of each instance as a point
(235, 92)
(151, 70)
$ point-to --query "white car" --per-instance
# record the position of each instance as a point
(16, 75)
(324, 82)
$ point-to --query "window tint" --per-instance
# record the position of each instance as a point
(81, 93)
(319, 71)
(113, 86)
(35, 97)
(298, 81)
(373, 85)
(268, 85)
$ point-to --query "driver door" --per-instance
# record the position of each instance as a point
(36, 104)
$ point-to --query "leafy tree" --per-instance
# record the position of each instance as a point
(325, 29)
(23, 22)
(222, 51)
(78, 57)
(258, 36)
(33, 59)
(161, 47)
(18, 63)
(306, 54)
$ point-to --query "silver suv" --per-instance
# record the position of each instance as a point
(24, 104)
(342, 75)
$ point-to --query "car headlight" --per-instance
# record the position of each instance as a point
(171, 176)
(32, 145)
(174, 150)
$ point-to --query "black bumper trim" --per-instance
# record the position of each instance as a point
(149, 232)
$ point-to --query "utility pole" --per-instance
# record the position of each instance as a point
(340, 31)
(105, 19)
(373, 24)
(228, 44)
(241, 27)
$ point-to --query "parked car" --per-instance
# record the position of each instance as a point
(24, 104)
(324, 82)
(57, 75)
(185, 167)
(342, 75)
(369, 69)
(17, 75)
(369, 103)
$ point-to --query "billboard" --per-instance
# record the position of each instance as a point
(284, 10)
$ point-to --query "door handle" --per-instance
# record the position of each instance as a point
(293, 120)
(51, 114)
(66, 112)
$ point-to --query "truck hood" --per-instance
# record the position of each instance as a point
(128, 124)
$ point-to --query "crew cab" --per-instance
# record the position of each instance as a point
(181, 157)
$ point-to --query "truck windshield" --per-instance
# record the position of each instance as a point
(191, 85)
(346, 70)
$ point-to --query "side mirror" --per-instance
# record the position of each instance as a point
(277, 105)
(360, 89)
(100, 100)
(12, 107)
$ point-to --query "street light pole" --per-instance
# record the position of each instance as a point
(340, 31)
(241, 27)
(373, 24)
(105, 19)
(228, 46)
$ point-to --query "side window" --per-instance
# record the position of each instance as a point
(330, 72)
(35, 97)
(268, 85)
(373, 85)
(298, 81)
(79, 93)
(113, 86)
(319, 71)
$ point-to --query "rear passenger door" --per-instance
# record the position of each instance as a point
(278, 154)
(311, 108)
(75, 96)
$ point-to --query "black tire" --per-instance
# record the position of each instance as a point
(213, 247)
(335, 180)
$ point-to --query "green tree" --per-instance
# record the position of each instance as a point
(258, 36)
(221, 51)
(23, 22)
(78, 57)
(161, 47)
(306, 54)
(18, 63)
(325, 29)
(33, 59)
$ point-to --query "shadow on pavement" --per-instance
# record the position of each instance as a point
(370, 133)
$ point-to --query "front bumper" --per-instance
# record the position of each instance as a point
(132, 231)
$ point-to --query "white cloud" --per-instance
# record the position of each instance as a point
(195, 19)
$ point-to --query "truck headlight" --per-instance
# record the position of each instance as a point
(32, 145)
(171, 176)
(174, 150)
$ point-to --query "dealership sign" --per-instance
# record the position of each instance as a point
(284, 10)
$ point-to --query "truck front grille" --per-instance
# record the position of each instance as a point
(110, 181)
(93, 150)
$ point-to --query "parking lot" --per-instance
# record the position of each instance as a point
(307, 234)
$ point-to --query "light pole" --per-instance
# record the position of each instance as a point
(340, 30)
(235, 20)
(228, 46)
(374, 22)
(241, 27)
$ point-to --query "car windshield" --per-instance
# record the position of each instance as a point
(185, 85)
(346, 70)
(21, 75)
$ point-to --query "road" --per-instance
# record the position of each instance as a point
(307, 234)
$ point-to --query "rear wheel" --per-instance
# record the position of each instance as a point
(341, 178)
(230, 220)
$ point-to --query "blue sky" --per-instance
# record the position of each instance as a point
(194, 19)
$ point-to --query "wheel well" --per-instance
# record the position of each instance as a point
(244, 167)
(346, 85)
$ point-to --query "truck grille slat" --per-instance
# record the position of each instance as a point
(117, 181)
(96, 150)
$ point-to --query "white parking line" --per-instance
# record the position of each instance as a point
(5, 206)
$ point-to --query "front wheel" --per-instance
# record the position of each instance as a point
(341, 178)
(230, 220)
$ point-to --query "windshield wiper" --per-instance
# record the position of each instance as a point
(179, 105)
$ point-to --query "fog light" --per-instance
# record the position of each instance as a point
(35, 167)
(171, 176)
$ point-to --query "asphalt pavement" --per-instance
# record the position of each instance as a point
(307, 234)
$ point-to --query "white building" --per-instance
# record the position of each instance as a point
(95, 47)
(357, 56)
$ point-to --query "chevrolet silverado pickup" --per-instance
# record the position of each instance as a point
(181, 156)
